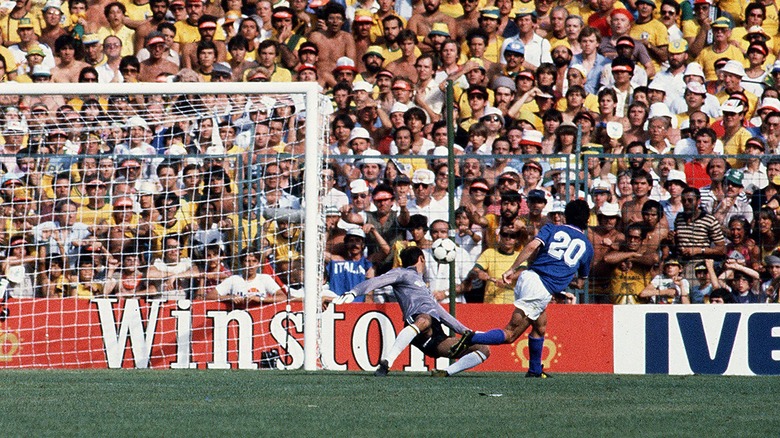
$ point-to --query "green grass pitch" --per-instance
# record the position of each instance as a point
(264, 403)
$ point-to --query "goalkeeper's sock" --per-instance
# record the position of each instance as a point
(404, 338)
(492, 337)
(468, 361)
(535, 347)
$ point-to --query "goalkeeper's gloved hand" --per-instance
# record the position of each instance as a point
(344, 299)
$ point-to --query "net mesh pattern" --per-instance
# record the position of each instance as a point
(158, 198)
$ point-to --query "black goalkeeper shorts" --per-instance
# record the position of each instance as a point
(427, 344)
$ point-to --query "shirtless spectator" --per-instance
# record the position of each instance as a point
(332, 42)
(404, 66)
(52, 29)
(207, 28)
(238, 47)
(641, 183)
(421, 24)
(605, 239)
(159, 10)
(157, 62)
(68, 67)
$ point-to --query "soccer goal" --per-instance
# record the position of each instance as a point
(161, 225)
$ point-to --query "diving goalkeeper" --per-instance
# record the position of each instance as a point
(422, 314)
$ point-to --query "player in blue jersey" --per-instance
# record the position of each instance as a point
(559, 253)
(424, 317)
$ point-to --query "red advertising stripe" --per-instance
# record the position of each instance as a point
(579, 338)
(73, 333)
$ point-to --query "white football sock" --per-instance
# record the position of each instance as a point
(468, 361)
(405, 337)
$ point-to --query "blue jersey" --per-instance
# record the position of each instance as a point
(565, 253)
(343, 275)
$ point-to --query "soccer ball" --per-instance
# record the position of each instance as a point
(444, 250)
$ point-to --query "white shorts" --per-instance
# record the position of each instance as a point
(530, 295)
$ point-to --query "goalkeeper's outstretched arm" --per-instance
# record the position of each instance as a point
(372, 284)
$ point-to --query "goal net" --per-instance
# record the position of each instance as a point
(169, 225)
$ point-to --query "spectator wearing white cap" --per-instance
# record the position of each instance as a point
(600, 194)
(356, 212)
(371, 167)
(659, 126)
(605, 238)
(693, 98)
(359, 140)
(694, 73)
(13, 134)
(493, 119)
(350, 266)
(423, 181)
(733, 73)
(675, 182)
(768, 106)
(735, 135)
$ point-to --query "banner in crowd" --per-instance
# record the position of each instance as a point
(112, 333)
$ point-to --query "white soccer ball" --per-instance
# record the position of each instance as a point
(444, 250)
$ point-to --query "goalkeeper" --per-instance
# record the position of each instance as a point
(423, 315)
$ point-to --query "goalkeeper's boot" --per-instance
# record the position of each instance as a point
(440, 373)
(541, 375)
(383, 369)
(463, 343)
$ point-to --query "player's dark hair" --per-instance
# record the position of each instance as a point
(577, 214)
(410, 255)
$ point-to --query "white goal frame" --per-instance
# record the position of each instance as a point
(311, 174)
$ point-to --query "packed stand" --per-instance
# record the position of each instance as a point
(663, 115)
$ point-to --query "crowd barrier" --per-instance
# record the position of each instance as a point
(132, 333)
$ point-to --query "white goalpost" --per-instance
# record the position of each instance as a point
(83, 237)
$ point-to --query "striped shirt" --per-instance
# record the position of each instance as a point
(699, 233)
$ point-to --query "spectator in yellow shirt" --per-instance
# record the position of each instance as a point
(115, 14)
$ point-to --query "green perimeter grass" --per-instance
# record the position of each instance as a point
(134, 403)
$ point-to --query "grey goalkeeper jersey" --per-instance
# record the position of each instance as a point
(413, 295)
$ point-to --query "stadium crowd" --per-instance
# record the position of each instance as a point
(663, 115)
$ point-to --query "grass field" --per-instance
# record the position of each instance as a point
(265, 403)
